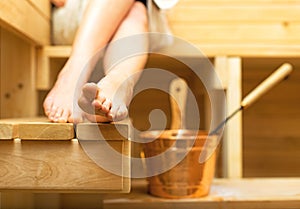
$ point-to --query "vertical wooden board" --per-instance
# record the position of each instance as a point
(233, 134)
(18, 93)
(43, 71)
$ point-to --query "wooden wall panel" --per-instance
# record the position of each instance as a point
(271, 125)
(236, 22)
(18, 93)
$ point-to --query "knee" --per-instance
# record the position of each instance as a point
(137, 16)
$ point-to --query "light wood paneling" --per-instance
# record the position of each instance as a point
(236, 22)
(271, 125)
(18, 93)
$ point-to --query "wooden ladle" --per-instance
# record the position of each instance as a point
(275, 78)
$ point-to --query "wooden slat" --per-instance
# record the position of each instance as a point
(238, 12)
(232, 144)
(45, 131)
(238, 28)
(249, 50)
(222, 33)
(57, 51)
(245, 193)
(35, 129)
(102, 131)
(23, 18)
(237, 2)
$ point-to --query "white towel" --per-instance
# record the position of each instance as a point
(65, 21)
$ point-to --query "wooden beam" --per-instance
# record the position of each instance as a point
(38, 128)
(232, 142)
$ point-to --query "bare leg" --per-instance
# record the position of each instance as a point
(109, 99)
(93, 34)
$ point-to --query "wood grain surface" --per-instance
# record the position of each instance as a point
(47, 163)
(38, 128)
(53, 166)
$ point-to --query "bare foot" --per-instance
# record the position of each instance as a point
(108, 100)
(59, 105)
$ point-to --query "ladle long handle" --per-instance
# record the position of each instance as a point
(281, 73)
(178, 97)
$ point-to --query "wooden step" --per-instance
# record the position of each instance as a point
(47, 163)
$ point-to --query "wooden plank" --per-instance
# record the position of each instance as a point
(237, 2)
(102, 131)
(14, 15)
(57, 51)
(251, 33)
(53, 166)
(238, 12)
(45, 131)
(211, 50)
(244, 194)
(232, 144)
(38, 128)
(248, 50)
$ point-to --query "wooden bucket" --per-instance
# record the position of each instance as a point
(189, 178)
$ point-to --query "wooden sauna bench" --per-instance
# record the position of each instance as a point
(40, 156)
(244, 193)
